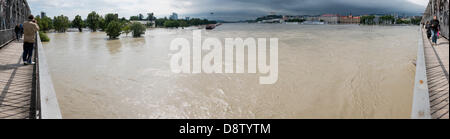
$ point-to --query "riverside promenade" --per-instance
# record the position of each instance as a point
(437, 66)
(16, 81)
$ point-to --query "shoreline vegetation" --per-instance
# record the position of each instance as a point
(44, 37)
(338, 19)
(112, 25)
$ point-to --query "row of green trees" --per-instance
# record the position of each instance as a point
(140, 17)
(113, 25)
(78, 23)
(115, 28)
(168, 23)
(110, 23)
(96, 22)
(388, 19)
(59, 23)
(414, 21)
(296, 20)
(368, 19)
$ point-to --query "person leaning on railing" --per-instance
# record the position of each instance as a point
(30, 28)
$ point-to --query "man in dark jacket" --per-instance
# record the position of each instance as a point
(21, 31)
(17, 31)
(427, 27)
(434, 26)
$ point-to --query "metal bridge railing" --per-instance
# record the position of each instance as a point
(421, 100)
(6, 36)
(44, 97)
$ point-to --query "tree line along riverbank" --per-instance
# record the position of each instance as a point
(112, 25)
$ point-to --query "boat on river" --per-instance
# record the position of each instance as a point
(210, 26)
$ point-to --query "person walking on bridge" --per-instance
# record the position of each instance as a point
(427, 27)
(30, 28)
(21, 31)
(17, 31)
(435, 27)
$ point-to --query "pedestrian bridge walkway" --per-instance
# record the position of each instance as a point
(437, 66)
(26, 90)
(16, 81)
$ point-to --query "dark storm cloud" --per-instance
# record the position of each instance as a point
(228, 9)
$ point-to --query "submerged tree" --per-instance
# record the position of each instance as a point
(138, 29)
(114, 29)
(93, 21)
(126, 29)
(110, 18)
(61, 23)
(45, 23)
(44, 37)
(78, 23)
(103, 24)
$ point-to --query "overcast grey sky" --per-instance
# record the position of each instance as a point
(225, 9)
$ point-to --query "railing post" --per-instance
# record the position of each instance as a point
(34, 104)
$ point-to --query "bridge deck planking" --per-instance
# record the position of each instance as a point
(15, 83)
(437, 64)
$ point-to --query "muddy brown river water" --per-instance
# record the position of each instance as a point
(325, 71)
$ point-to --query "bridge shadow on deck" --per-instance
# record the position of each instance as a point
(437, 60)
(15, 83)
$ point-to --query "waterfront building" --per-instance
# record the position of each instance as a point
(313, 23)
(285, 18)
(43, 14)
(329, 18)
(349, 19)
(312, 18)
(174, 16)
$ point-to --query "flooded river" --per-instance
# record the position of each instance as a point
(325, 71)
